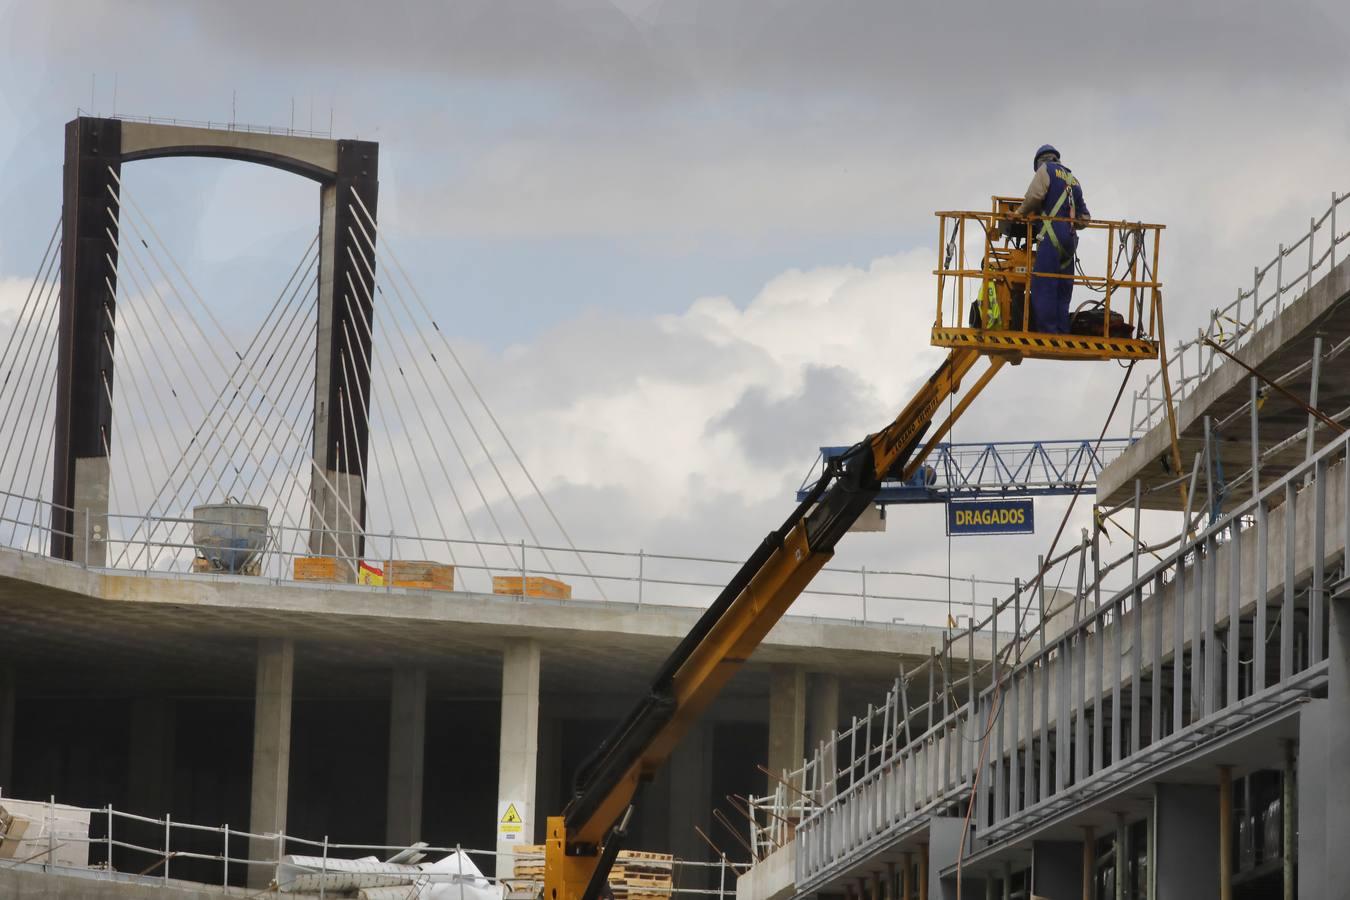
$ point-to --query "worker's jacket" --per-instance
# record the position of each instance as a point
(1056, 192)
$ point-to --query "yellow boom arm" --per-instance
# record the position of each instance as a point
(582, 843)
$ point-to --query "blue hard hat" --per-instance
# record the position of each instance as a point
(1044, 149)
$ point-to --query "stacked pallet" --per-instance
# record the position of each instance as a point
(637, 874)
(640, 875)
(323, 568)
(532, 586)
(420, 574)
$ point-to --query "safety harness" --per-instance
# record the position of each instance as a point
(1047, 230)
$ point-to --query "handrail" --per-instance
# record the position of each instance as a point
(878, 749)
(102, 836)
(1247, 313)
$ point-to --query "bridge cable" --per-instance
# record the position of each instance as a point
(370, 429)
(29, 330)
(417, 407)
(187, 377)
(411, 354)
(389, 252)
(231, 422)
(315, 468)
(208, 413)
(366, 353)
(28, 387)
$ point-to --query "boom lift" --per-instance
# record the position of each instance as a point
(582, 844)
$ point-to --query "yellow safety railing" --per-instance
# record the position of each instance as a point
(985, 267)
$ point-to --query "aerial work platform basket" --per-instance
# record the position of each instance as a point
(984, 280)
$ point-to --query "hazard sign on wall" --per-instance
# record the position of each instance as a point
(511, 816)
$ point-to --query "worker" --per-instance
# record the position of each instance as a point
(1055, 193)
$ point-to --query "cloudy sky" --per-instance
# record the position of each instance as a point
(683, 244)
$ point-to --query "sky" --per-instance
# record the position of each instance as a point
(682, 245)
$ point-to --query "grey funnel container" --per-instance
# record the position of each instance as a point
(229, 536)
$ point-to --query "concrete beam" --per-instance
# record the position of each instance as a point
(518, 752)
(787, 719)
(315, 158)
(407, 748)
(273, 693)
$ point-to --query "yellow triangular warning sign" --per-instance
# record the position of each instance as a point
(511, 817)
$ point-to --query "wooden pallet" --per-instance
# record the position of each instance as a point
(637, 874)
(535, 586)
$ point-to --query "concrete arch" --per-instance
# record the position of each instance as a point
(346, 171)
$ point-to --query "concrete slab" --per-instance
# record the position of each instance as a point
(206, 626)
(1224, 396)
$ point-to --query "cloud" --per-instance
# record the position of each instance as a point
(792, 133)
(770, 430)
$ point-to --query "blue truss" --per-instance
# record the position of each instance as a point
(996, 469)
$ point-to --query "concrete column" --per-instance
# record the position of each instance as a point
(86, 375)
(787, 719)
(150, 773)
(824, 713)
(551, 781)
(89, 519)
(1317, 767)
(1057, 868)
(519, 750)
(1186, 841)
(341, 384)
(1338, 738)
(690, 769)
(271, 750)
(8, 702)
(944, 846)
(407, 748)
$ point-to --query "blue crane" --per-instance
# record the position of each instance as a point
(995, 469)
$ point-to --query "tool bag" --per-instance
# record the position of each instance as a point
(1089, 318)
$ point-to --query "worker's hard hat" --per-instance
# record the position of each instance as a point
(1045, 149)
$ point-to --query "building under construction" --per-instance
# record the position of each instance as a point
(278, 692)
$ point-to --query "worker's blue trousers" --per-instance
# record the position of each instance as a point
(1050, 296)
